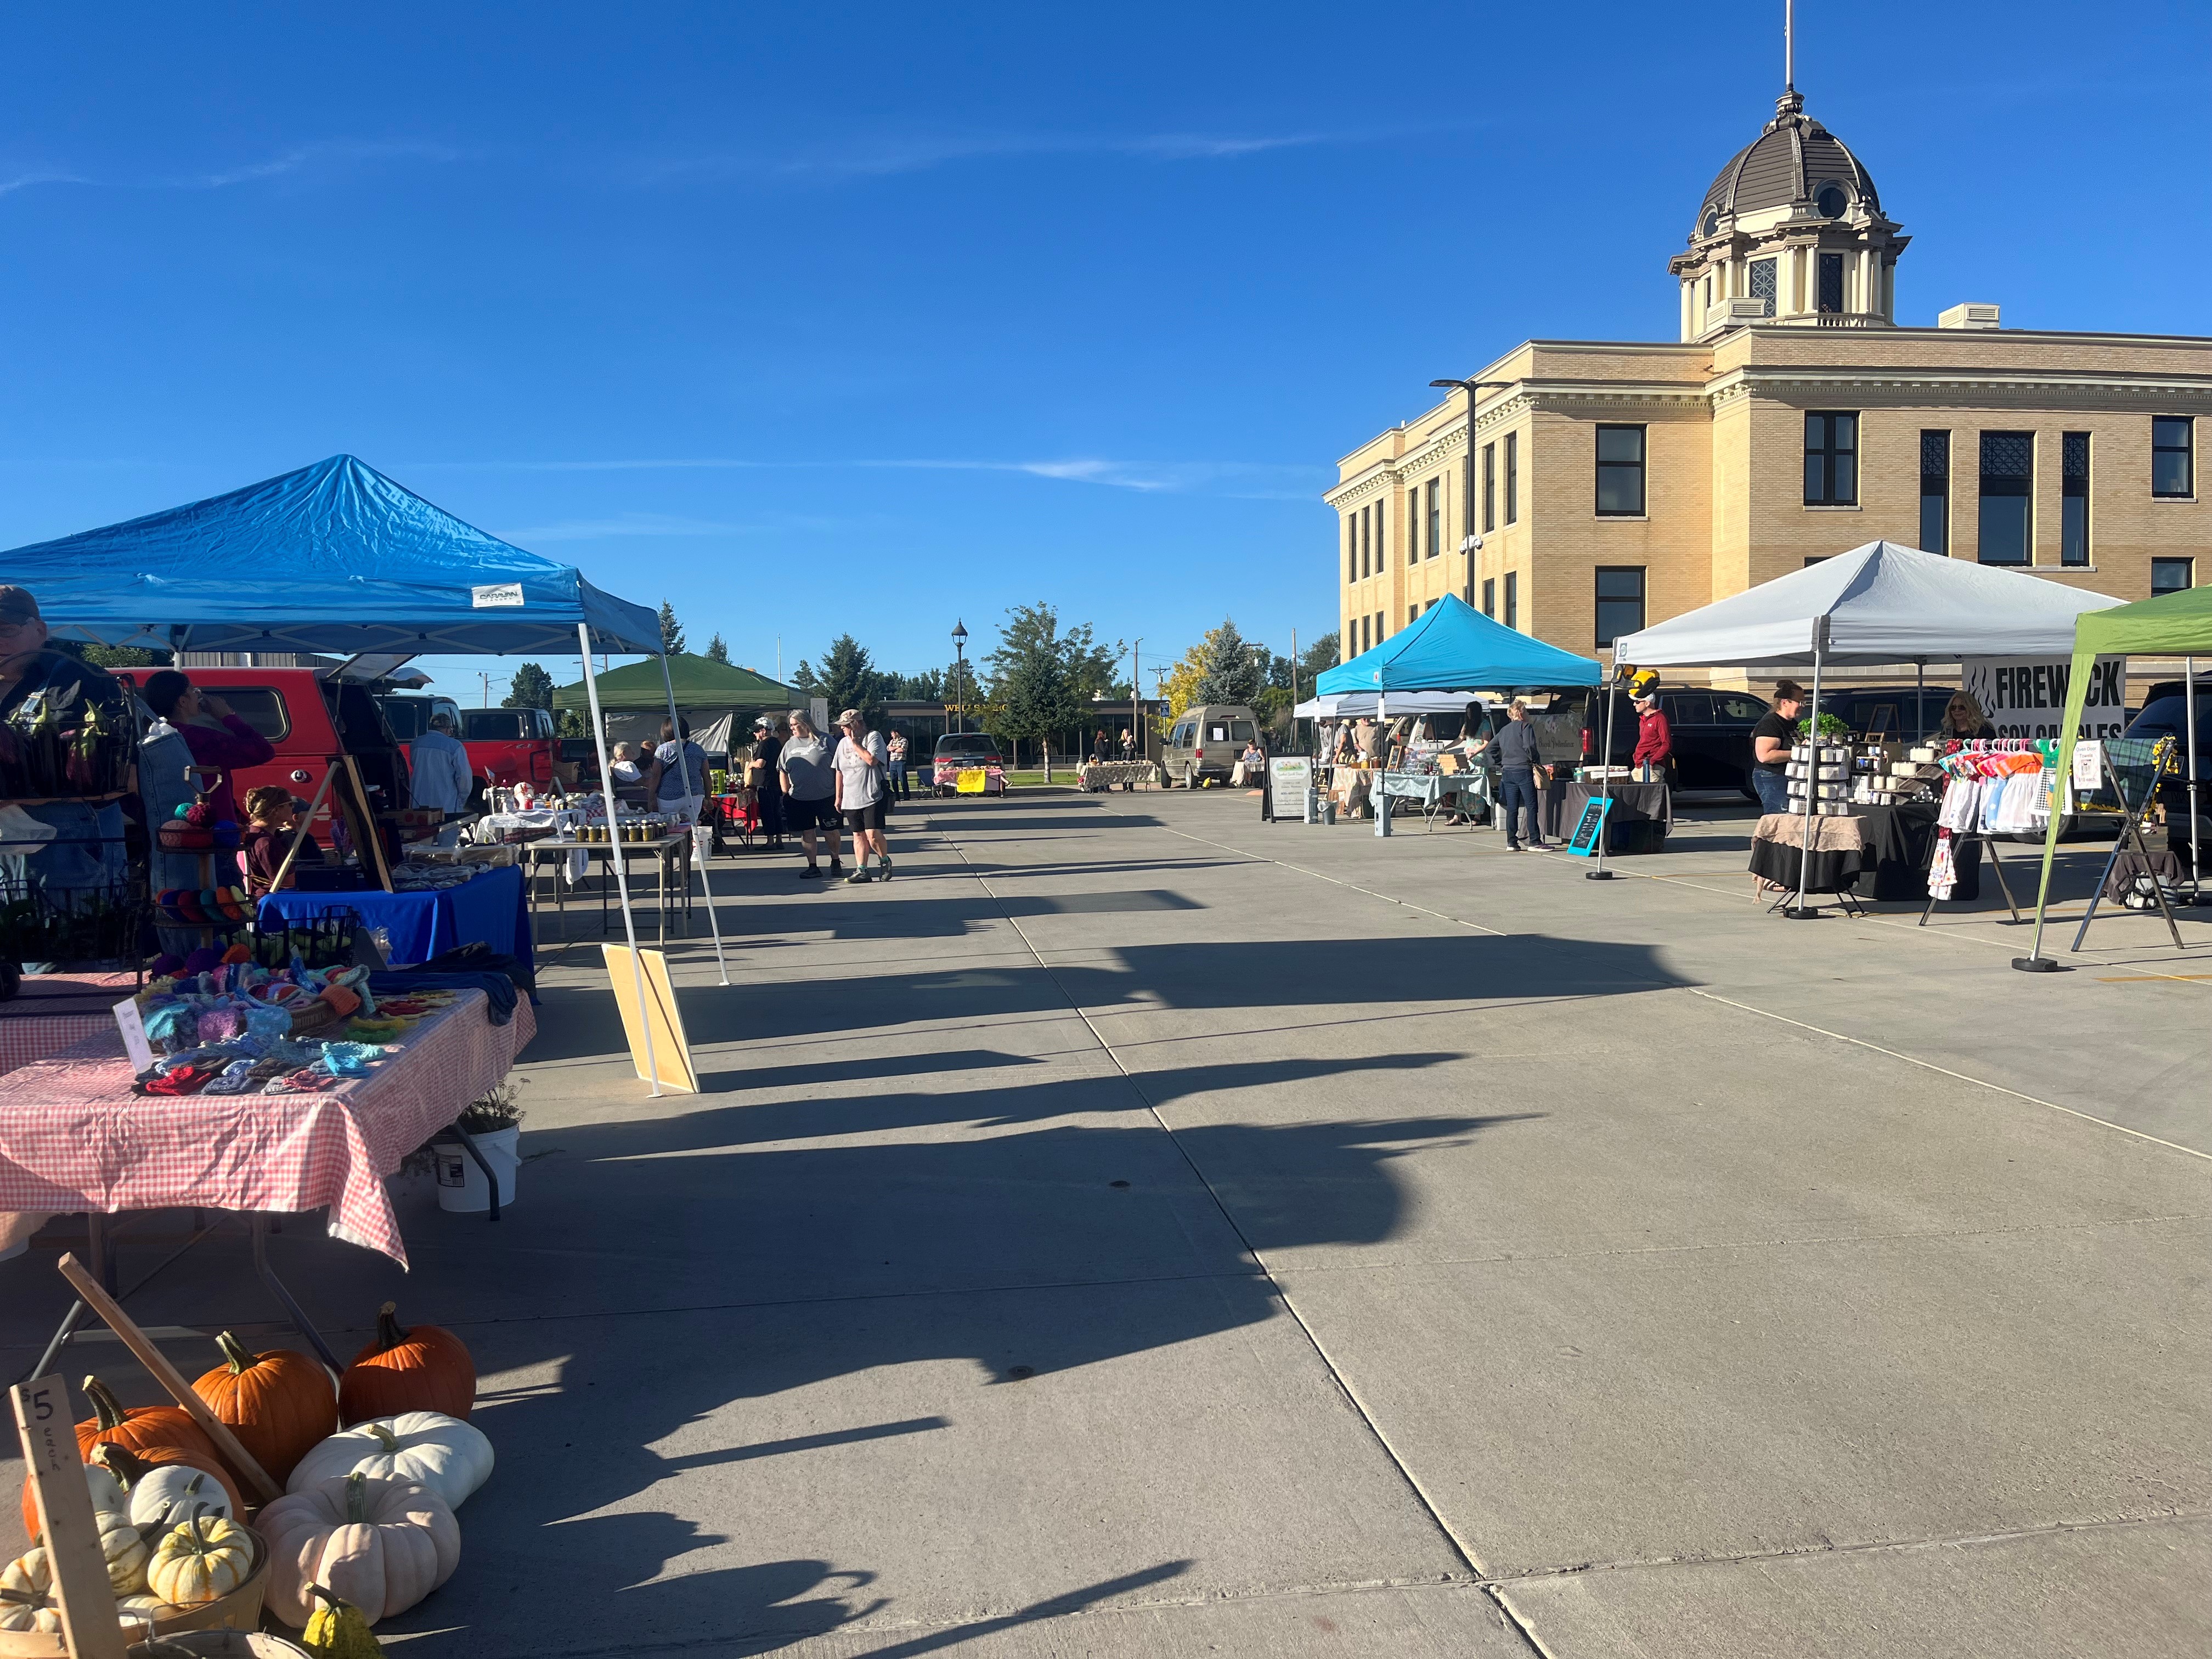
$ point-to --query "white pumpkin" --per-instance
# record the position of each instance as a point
(154, 1495)
(382, 1544)
(451, 1457)
(31, 1573)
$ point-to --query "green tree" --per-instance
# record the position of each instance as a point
(802, 679)
(531, 688)
(114, 656)
(928, 686)
(849, 677)
(672, 631)
(1230, 668)
(1321, 655)
(718, 650)
(956, 685)
(1041, 679)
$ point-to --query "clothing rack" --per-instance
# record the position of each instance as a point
(1977, 837)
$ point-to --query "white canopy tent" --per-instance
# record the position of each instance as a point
(1875, 606)
(1358, 705)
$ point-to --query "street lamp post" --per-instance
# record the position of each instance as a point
(1471, 542)
(959, 670)
(1137, 745)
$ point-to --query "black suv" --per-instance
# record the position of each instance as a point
(2164, 716)
(1712, 732)
(1885, 712)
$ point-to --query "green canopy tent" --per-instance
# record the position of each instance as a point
(2177, 625)
(705, 691)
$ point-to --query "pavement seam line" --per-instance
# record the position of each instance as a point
(1867, 1546)
(1945, 1071)
(1459, 1546)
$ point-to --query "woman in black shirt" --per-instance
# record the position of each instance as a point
(1770, 747)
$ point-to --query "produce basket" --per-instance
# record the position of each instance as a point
(238, 1613)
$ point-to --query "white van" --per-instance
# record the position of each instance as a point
(1205, 743)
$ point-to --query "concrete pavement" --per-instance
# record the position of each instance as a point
(1138, 1230)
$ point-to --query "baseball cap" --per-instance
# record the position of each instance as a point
(17, 604)
(848, 717)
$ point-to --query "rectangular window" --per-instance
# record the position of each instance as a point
(2008, 497)
(2074, 498)
(1762, 285)
(1490, 596)
(1366, 540)
(1435, 519)
(1620, 471)
(1832, 282)
(1351, 547)
(1381, 532)
(1488, 488)
(1619, 602)
(1831, 458)
(2171, 575)
(2173, 467)
(1513, 477)
(1936, 492)
(1512, 599)
(1382, 633)
(1412, 524)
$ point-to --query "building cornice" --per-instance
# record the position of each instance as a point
(2065, 388)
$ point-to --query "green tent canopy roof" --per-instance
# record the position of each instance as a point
(700, 684)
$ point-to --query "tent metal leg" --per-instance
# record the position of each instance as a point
(276, 1285)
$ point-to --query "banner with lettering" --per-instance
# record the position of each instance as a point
(2026, 696)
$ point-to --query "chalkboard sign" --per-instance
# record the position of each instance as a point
(1582, 843)
(1288, 777)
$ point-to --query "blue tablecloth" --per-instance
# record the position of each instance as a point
(422, 926)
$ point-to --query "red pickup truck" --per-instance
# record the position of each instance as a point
(307, 720)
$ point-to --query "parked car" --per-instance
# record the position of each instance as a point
(310, 720)
(1711, 732)
(408, 715)
(959, 751)
(1206, 741)
(507, 747)
(2164, 716)
(1886, 713)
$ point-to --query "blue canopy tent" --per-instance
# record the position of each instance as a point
(335, 557)
(1453, 646)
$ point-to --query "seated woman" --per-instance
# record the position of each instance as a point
(273, 816)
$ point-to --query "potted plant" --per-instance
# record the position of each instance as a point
(493, 1122)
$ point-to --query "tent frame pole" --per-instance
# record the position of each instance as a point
(1604, 813)
(683, 764)
(1804, 912)
(2188, 707)
(615, 855)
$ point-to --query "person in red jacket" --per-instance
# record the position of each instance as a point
(1655, 739)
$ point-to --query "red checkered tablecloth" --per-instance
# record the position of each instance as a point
(74, 1138)
(30, 1029)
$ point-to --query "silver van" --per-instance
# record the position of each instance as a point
(1205, 743)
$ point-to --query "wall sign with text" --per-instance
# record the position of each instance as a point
(2026, 696)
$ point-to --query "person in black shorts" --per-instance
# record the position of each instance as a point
(861, 766)
(809, 791)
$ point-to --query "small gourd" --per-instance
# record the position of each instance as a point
(141, 1608)
(202, 1560)
(31, 1573)
(338, 1631)
(22, 1610)
(123, 1546)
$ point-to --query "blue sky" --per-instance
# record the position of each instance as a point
(869, 317)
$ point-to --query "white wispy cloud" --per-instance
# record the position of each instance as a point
(1252, 480)
(301, 161)
(883, 156)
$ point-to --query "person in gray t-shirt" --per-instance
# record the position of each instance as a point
(810, 790)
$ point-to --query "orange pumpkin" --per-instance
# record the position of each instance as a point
(145, 1429)
(423, 1369)
(280, 1405)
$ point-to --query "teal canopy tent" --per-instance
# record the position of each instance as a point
(1453, 646)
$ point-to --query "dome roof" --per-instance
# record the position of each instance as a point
(1795, 160)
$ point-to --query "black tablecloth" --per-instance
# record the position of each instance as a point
(1641, 816)
(1901, 841)
(1831, 872)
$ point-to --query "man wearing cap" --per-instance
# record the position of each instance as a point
(765, 770)
(60, 717)
(861, 765)
(1655, 739)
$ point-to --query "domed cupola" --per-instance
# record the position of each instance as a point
(1792, 231)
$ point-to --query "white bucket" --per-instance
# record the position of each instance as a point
(461, 1183)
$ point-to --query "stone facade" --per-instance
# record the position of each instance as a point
(1721, 423)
